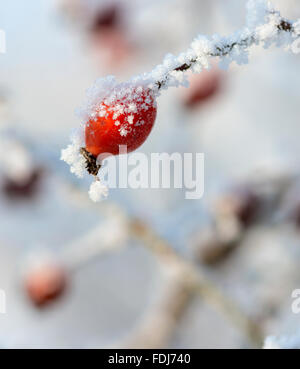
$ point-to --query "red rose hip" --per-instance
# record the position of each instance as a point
(126, 118)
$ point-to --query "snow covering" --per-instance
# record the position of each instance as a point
(98, 191)
(71, 155)
(107, 96)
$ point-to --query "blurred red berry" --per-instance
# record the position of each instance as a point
(111, 48)
(45, 284)
(108, 17)
(25, 189)
(203, 87)
(124, 122)
(109, 37)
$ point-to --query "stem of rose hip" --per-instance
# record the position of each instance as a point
(90, 162)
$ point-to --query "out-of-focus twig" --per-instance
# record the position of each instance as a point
(198, 282)
(107, 237)
(255, 200)
(191, 276)
(158, 324)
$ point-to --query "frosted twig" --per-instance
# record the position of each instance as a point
(264, 26)
(105, 238)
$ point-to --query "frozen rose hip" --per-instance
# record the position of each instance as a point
(127, 120)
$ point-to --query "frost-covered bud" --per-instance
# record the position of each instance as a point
(23, 189)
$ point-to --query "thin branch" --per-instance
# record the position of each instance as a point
(157, 326)
(222, 50)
